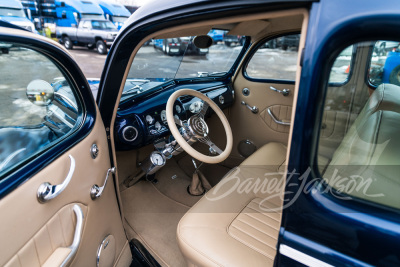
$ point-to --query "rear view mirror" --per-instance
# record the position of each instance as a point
(40, 92)
(203, 41)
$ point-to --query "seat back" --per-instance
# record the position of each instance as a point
(369, 153)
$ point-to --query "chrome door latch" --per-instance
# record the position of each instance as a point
(253, 109)
(96, 191)
(284, 92)
(47, 192)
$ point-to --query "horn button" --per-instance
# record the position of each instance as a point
(198, 127)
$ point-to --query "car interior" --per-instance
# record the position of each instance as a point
(191, 155)
(154, 205)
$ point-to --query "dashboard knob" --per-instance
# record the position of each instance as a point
(129, 133)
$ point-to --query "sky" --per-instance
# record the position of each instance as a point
(131, 2)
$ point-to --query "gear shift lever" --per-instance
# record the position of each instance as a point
(199, 183)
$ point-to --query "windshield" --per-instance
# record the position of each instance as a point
(92, 16)
(11, 12)
(119, 19)
(163, 60)
(103, 25)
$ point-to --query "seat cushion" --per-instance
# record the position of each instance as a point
(237, 222)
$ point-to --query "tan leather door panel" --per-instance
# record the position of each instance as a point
(32, 232)
(260, 128)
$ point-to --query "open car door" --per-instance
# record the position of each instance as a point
(58, 200)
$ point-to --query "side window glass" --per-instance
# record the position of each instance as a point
(359, 152)
(385, 63)
(278, 57)
(86, 24)
(341, 68)
(38, 107)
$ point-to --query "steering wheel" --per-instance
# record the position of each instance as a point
(196, 129)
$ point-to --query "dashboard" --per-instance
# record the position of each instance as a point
(141, 122)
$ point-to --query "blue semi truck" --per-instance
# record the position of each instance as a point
(114, 12)
(12, 11)
(70, 12)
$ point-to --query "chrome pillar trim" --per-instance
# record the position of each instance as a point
(301, 257)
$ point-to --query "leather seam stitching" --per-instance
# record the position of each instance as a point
(255, 237)
(252, 247)
(248, 214)
(258, 229)
(264, 214)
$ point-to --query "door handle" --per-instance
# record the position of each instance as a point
(253, 109)
(96, 190)
(284, 92)
(47, 192)
(275, 119)
(54, 258)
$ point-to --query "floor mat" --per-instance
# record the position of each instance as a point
(213, 172)
(155, 218)
(173, 183)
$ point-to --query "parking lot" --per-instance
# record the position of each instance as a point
(21, 66)
(150, 61)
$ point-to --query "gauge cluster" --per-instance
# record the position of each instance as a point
(156, 121)
(142, 123)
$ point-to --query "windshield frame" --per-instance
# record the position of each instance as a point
(176, 81)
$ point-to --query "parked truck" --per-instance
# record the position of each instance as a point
(12, 11)
(114, 12)
(99, 33)
(70, 12)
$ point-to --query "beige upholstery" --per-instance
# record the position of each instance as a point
(50, 245)
(229, 227)
(370, 150)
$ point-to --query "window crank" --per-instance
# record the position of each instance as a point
(253, 109)
(96, 190)
(284, 92)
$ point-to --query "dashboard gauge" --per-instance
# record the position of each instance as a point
(158, 126)
(157, 159)
(177, 117)
(178, 109)
(196, 107)
(149, 119)
(164, 116)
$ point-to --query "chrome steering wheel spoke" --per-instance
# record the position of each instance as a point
(204, 109)
(178, 121)
(214, 149)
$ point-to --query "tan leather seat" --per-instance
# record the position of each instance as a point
(232, 226)
(370, 151)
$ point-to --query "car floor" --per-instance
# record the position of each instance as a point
(153, 210)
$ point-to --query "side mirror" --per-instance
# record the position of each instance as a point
(203, 41)
(63, 15)
(40, 92)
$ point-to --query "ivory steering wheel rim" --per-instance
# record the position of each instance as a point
(182, 142)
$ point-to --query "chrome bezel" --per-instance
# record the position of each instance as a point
(126, 139)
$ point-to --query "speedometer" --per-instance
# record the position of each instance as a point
(149, 119)
(164, 116)
(195, 107)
